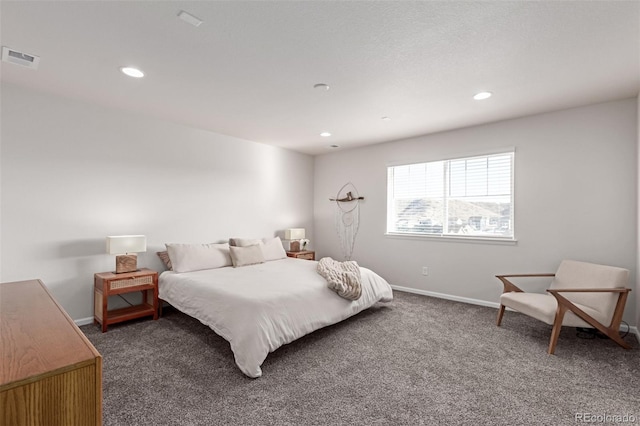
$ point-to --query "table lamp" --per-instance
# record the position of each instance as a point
(295, 234)
(126, 247)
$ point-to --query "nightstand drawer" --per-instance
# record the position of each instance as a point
(306, 256)
(130, 282)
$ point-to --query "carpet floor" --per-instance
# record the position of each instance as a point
(415, 361)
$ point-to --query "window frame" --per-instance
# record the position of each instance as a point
(498, 239)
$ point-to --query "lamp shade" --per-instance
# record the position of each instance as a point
(294, 234)
(126, 244)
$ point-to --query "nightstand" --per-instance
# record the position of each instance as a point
(304, 254)
(109, 284)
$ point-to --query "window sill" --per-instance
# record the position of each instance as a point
(452, 238)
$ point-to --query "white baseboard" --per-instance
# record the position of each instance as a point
(632, 329)
(447, 296)
(83, 321)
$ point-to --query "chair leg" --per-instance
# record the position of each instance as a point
(557, 326)
(500, 314)
(613, 335)
(611, 331)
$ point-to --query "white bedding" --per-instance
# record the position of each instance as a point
(259, 308)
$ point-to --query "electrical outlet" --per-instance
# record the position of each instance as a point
(425, 270)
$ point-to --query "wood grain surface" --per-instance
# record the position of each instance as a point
(50, 373)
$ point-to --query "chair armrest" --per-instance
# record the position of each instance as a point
(509, 286)
(589, 290)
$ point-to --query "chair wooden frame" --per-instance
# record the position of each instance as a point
(565, 305)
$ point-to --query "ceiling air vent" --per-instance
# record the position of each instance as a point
(20, 58)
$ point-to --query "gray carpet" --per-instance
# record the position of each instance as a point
(415, 361)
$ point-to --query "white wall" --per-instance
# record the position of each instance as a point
(73, 173)
(638, 246)
(575, 183)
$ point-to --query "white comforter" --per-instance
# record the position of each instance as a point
(259, 308)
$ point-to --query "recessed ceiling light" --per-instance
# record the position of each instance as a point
(132, 72)
(325, 134)
(482, 95)
(385, 118)
(189, 18)
(321, 87)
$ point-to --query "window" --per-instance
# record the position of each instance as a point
(463, 197)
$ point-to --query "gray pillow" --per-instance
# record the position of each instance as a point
(249, 255)
(243, 242)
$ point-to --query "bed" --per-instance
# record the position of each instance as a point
(260, 307)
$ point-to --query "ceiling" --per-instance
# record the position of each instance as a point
(249, 70)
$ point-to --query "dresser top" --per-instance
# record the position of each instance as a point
(37, 336)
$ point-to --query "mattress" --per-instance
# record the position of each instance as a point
(259, 308)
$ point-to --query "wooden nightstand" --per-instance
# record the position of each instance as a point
(108, 284)
(304, 254)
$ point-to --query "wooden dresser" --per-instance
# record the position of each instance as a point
(50, 374)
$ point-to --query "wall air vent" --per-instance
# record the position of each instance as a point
(20, 58)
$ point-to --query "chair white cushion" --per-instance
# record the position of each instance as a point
(574, 274)
(543, 307)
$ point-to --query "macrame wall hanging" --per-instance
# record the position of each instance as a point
(347, 217)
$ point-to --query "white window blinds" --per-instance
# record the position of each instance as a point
(461, 197)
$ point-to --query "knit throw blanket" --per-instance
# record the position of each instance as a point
(342, 277)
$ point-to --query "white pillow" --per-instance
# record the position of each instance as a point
(249, 255)
(194, 257)
(244, 242)
(272, 249)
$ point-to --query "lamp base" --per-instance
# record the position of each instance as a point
(294, 246)
(126, 263)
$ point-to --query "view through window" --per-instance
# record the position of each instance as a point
(463, 197)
